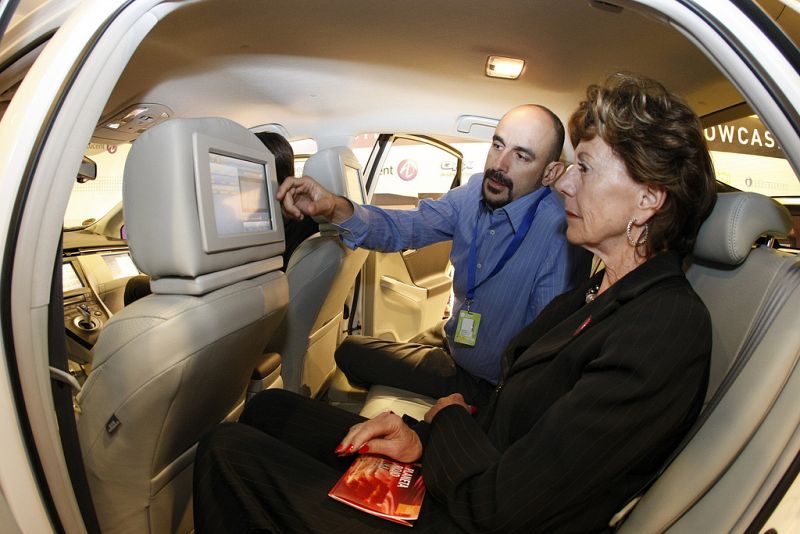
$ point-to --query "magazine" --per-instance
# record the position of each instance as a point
(379, 486)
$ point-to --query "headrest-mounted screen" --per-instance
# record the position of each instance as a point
(355, 187)
(234, 186)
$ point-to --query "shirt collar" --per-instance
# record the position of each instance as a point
(517, 209)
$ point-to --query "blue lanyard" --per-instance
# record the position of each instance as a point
(472, 260)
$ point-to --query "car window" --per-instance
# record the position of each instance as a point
(303, 149)
(91, 200)
(414, 169)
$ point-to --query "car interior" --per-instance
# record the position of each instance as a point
(321, 273)
(176, 307)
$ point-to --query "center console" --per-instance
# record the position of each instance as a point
(84, 314)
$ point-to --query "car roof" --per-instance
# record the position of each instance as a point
(330, 70)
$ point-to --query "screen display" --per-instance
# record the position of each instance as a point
(69, 276)
(239, 195)
(120, 265)
(354, 191)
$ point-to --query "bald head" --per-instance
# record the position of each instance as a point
(524, 154)
(535, 114)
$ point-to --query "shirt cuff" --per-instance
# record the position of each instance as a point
(355, 228)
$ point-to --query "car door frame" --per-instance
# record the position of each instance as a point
(418, 285)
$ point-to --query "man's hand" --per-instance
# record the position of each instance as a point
(455, 398)
(305, 197)
(385, 434)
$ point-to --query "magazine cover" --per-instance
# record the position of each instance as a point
(382, 487)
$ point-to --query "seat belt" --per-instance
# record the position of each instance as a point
(62, 389)
(779, 293)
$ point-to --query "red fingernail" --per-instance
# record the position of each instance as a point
(473, 410)
(349, 449)
(364, 449)
(338, 449)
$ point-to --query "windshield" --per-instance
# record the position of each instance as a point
(91, 200)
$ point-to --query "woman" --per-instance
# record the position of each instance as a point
(295, 231)
(595, 393)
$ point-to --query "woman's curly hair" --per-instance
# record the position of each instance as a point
(660, 140)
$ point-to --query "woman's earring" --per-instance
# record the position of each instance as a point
(642, 237)
(628, 231)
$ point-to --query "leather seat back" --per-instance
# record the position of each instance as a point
(321, 274)
(752, 294)
(173, 364)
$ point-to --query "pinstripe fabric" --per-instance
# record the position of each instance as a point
(424, 369)
(273, 473)
(583, 418)
(542, 268)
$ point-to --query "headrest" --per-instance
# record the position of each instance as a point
(736, 221)
(337, 169)
(166, 219)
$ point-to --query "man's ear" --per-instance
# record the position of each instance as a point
(551, 173)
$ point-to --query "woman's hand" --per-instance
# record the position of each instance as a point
(385, 434)
(304, 196)
(455, 398)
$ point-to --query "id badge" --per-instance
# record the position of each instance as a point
(467, 328)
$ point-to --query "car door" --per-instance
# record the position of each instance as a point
(407, 292)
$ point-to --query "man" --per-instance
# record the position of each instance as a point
(509, 253)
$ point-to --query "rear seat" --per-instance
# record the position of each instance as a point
(751, 414)
(384, 398)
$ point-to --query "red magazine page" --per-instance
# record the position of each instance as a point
(382, 487)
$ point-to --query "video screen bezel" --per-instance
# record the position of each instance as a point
(213, 241)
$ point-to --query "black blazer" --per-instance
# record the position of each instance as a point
(593, 399)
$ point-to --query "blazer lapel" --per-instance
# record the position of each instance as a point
(584, 317)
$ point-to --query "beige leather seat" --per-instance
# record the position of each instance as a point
(175, 363)
(753, 295)
(321, 274)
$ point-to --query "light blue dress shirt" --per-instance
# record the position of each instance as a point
(544, 265)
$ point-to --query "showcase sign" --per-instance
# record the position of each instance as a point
(743, 136)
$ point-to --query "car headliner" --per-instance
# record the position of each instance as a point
(330, 70)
